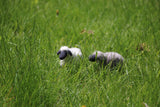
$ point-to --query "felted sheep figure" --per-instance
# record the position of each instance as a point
(67, 54)
(112, 58)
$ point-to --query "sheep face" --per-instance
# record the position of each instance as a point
(97, 56)
(63, 54)
(92, 58)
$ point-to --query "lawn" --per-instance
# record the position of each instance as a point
(32, 32)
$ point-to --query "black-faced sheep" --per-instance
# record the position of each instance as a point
(112, 58)
(67, 54)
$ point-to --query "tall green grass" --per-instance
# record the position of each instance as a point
(31, 32)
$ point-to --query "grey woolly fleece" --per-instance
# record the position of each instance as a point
(113, 58)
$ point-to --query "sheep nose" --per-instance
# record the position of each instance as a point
(92, 58)
(62, 55)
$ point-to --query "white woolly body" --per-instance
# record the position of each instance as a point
(76, 53)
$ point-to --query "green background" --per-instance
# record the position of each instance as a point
(32, 31)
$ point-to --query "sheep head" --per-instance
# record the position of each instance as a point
(64, 52)
(97, 56)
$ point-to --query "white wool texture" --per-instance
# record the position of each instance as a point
(76, 53)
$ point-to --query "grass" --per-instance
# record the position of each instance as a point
(31, 33)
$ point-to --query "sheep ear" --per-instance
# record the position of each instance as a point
(70, 53)
(58, 52)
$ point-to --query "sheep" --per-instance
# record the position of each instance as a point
(112, 58)
(67, 54)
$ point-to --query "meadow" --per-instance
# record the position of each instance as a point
(32, 32)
